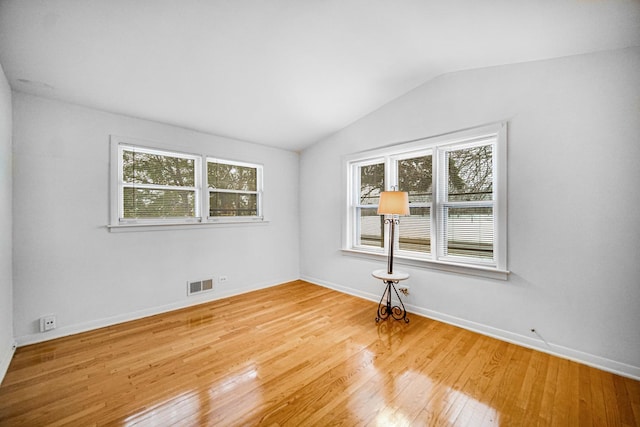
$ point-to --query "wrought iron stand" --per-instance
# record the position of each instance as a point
(386, 308)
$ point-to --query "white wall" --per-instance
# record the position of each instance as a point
(6, 286)
(67, 263)
(574, 228)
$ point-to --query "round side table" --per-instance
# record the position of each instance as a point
(385, 308)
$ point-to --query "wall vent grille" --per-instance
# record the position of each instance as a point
(199, 286)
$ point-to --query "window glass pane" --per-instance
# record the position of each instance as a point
(470, 174)
(233, 204)
(415, 230)
(469, 232)
(232, 177)
(145, 168)
(371, 231)
(371, 183)
(414, 177)
(148, 203)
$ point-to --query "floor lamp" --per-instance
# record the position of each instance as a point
(393, 203)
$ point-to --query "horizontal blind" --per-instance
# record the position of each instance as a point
(415, 177)
(466, 216)
(231, 177)
(156, 184)
(370, 182)
(234, 189)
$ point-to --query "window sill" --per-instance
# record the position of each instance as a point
(124, 228)
(473, 270)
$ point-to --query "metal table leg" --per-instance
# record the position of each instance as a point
(386, 308)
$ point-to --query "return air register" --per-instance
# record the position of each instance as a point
(199, 286)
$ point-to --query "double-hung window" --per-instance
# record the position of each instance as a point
(235, 189)
(370, 177)
(466, 199)
(153, 186)
(157, 185)
(457, 201)
(413, 174)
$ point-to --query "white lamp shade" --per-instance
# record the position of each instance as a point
(393, 203)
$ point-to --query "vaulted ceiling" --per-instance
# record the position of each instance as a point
(284, 73)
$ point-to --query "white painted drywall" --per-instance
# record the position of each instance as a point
(67, 263)
(6, 285)
(574, 228)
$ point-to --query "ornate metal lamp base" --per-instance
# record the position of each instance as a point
(386, 309)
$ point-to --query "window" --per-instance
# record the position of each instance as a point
(370, 231)
(466, 208)
(457, 189)
(155, 187)
(415, 177)
(234, 189)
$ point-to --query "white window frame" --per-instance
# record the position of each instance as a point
(393, 176)
(355, 202)
(496, 134)
(201, 218)
(258, 192)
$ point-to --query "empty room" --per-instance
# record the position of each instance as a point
(319, 212)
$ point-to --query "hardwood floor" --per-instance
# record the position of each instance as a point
(299, 354)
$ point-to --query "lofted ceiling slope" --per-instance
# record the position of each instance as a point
(284, 73)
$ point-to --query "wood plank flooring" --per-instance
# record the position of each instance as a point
(298, 355)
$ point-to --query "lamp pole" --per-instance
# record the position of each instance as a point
(392, 226)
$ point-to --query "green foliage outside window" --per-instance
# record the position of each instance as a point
(470, 178)
(149, 179)
(233, 189)
(232, 177)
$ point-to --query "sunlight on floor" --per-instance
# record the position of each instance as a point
(390, 417)
(171, 410)
(433, 397)
(234, 381)
(461, 409)
(193, 404)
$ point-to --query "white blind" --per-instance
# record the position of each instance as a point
(234, 189)
(415, 177)
(156, 184)
(371, 182)
(466, 215)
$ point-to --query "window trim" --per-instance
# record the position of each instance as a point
(259, 191)
(435, 144)
(121, 185)
(201, 189)
(354, 199)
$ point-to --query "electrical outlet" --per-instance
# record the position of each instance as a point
(222, 279)
(47, 323)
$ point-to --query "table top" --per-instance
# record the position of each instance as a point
(395, 276)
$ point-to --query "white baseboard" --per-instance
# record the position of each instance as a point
(6, 354)
(605, 364)
(518, 339)
(121, 318)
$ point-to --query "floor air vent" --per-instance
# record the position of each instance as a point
(199, 286)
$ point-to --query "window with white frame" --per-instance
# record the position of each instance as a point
(370, 183)
(154, 186)
(457, 199)
(157, 185)
(235, 189)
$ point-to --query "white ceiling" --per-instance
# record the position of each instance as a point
(284, 73)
